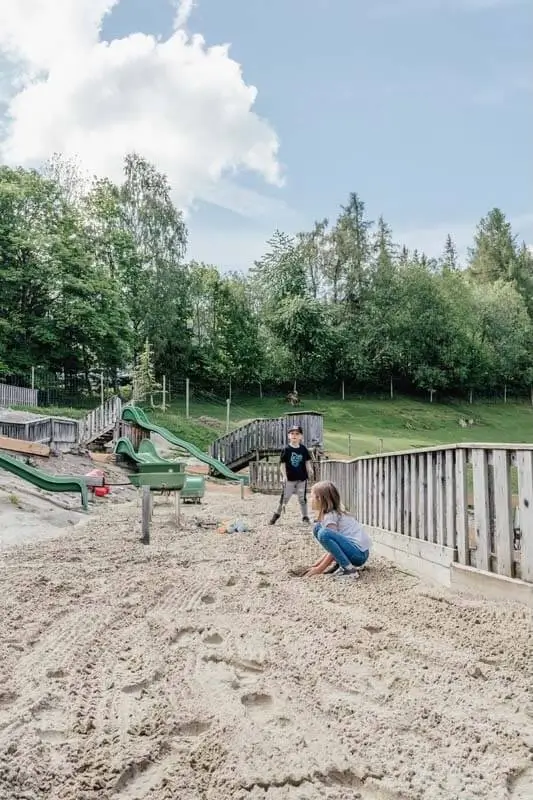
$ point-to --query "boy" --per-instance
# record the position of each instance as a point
(296, 470)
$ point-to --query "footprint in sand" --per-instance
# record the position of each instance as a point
(213, 639)
(207, 599)
(193, 729)
(258, 706)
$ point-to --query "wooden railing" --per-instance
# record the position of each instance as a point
(474, 498)
(265, 436)
(101, 420)
(265, 477)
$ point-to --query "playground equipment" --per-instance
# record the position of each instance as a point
(147, 460)
(51, 483)
(137, 418)
(169, 481)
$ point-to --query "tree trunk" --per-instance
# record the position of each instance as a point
(260, 390)
(471, 397)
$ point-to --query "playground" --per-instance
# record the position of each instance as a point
(198, 668)
(195, 666)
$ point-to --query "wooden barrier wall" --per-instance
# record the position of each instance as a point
(476, 499)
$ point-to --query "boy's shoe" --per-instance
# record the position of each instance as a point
(306, 520)
(346, 572)
(274, 518)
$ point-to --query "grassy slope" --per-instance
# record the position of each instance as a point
(401, 424)
(372, 423)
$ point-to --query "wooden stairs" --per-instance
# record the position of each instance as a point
(263, 438)
(98, 427)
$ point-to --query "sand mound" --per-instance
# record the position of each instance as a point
(197, 669)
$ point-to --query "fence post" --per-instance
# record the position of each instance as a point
(187, 397)
(33, 378)
(349, 444)
(342, 390)
(228, 411)
(164, 405)
(102, 394)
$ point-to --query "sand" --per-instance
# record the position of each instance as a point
(196, 668)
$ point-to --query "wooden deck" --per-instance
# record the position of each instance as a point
(262, 438)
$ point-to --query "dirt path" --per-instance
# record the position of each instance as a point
(197, 669)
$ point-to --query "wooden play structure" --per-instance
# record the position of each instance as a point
(263, 439)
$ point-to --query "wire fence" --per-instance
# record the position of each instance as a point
(196, 399)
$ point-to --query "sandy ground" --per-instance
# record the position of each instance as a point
(197, 669)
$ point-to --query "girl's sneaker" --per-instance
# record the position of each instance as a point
(346, 572)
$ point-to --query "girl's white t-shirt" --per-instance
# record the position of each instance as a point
(349, 527)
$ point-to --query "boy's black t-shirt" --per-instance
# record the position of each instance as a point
(295, 459)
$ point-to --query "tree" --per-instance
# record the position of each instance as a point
(144, 382)
(494, 255)
(449, 260)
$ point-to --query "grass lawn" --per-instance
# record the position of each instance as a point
(356, 426)
(364, 426)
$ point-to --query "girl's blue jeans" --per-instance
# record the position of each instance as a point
(343, 550)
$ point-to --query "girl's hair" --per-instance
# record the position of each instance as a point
(327, 497)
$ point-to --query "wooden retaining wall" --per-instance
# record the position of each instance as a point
(17, 396)
(476, 499)
(55, 431)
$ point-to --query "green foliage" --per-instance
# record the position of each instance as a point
(91, 271)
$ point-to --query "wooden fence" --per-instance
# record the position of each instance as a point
(265, 476)
(17, 396)
(474, 498)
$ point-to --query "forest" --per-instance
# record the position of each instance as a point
(92, 271)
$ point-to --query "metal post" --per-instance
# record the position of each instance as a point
(349, 444)
(33, 378)
(164, 406)
(228, 411)
(102, 394)
(187, 387)
(343, 390)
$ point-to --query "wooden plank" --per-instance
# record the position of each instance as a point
(449, 477)
(461, 508)
(503, 513)
(375, 491)
(386, 493)
(524, 461)
(481, 508)
(399, 494)
(440, 507)
(381, 492)
(430, 511)
(393, 493)
(406, 496)
(422, 497)
(360, 491)
(21, 446)
(413, 496)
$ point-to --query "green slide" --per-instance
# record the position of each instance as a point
(136, 416)
(148, 459)
(50, 483)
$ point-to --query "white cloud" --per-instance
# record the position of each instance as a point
(179, 103)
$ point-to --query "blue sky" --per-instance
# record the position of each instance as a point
(423, 107)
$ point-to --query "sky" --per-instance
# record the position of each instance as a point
(266, 114)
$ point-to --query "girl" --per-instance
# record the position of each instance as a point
(346, 542)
